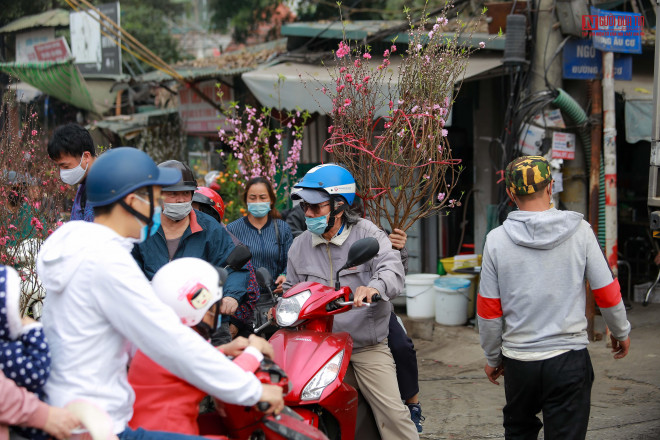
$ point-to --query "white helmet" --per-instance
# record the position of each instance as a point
(190, 286)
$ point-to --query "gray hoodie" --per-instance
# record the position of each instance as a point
(532, 290)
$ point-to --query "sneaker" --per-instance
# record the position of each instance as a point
(416, 415)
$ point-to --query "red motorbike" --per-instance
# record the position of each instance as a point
(233, 422)
(314, 356)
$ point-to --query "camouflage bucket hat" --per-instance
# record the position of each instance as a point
(527, 174)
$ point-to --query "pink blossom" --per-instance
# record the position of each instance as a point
(34, 132)
(342, 70)
(414, 109)
(12, 226)
(331, 128)
(441, 197)
(391, 105)
(366, 78)
(386, 53)
(430, 34)
(418, 47)
(356, 63)
(393, 48)
(340, 88)
(400, 102)
(444, 132)
(347, 102)
(387, 125)
(58, 224)
(349, 77)
(447, 101)
(50, 231)
(482, 44)
(427, 177)
(324, 90)
(366, 56)
(443, 21)
(343, 50)
(440, 149)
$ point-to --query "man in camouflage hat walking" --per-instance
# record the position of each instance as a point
(531, 307)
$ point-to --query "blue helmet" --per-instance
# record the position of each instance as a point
(329, 178)
(120, 171)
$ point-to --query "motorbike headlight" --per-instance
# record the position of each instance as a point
(289, 308)
(323, 378)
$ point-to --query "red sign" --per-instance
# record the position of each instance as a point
(54, 50)
(198, 115)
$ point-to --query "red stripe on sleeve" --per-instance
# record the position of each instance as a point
(489, 308)
(608, 296)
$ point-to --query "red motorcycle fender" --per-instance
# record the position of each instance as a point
(303, 353)
(286, 427)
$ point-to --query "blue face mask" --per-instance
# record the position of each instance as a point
(144, 232)
(259, 210)
(317, 225)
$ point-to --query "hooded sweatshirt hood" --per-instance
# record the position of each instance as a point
(541, 229)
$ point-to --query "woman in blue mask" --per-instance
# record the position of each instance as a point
(263, 231)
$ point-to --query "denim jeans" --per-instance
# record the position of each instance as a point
(141, 434)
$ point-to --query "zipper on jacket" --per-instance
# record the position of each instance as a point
(327, 248)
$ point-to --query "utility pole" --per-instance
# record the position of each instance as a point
(547, 39)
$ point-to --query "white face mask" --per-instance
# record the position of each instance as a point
(74, 175)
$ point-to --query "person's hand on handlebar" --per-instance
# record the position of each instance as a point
(272, 395)
(235, 347)
(363, 293)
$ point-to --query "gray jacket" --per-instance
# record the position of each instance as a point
(367, 325)
(532, 290)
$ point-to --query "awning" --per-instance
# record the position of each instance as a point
(52, 18)
(638, 108)
(291, 86)
(61, 80)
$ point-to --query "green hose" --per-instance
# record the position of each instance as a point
(569, 106)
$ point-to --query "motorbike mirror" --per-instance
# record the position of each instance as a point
(264, 278)
(222, 273)
(239, 257)
(360, 252)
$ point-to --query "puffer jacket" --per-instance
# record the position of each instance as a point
(367, 325)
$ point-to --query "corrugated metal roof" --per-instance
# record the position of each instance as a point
(129, 126)
(51, 18)
(193, 73)
(228, 64)
(363, 29)
(354, 30)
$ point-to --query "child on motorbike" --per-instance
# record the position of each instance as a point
(162, 400)
(25, 363)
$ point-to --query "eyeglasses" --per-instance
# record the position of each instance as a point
(315, 208)
(159, 201)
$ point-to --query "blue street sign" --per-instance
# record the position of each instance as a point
(614, 31)
(583, 61)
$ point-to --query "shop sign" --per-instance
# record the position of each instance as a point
(563, 145)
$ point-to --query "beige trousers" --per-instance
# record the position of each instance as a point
(373, 370)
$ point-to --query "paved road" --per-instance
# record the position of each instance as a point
(460, 403)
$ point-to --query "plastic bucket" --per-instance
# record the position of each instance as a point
(420, 296)
(471, 291)
(451, 302)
